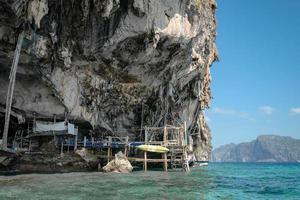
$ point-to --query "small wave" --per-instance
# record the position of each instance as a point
(271, 190)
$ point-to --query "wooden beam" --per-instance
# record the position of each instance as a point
(108, 154)
(149, 160)
(68, 143)
(165, 162)
(145, 161)
(62, 147)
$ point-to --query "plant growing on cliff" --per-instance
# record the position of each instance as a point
(198, 4)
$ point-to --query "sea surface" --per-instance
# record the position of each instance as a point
(216, 181)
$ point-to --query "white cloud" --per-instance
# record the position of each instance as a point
(231, 112)
(295, 110)
(267, 110)
(223, 111)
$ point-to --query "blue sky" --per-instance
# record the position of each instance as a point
(256, 83)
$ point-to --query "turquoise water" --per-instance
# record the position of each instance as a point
(217, 181)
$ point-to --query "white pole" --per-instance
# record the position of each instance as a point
(10, 92)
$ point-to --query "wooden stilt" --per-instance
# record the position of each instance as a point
(165, 154)
(29, 148)
(165, 135)
(75, 141)
(126, 145)
(68, 144)
(125, 151)
(165, 162)
(145, 161)
(62, 147)
(21, 146)
(108, 154)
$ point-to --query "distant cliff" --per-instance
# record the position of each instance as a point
(266, 148)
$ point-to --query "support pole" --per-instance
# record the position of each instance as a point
(21, 139)
(185, 134)
(165, 162)
(68, 144)
(10, 92)
(145, 161)
(54, 121)
(109, 151)
(62, 147)
(75, 139)
(165, 136)
(146, 135)
(29, 148)
(126, 145)
(108, 154)
(142, 121)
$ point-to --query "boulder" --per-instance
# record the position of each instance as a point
(119, 165)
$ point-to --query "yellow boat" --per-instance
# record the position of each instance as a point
(153, 148)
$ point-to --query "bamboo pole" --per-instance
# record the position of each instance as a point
(10, 92)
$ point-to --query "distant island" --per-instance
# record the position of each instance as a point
(265, 148)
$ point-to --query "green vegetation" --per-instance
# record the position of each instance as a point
(198, 4)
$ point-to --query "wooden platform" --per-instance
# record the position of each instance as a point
(134, 159)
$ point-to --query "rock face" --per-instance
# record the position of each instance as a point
(49, 163)
(266, 148)
(106, 61)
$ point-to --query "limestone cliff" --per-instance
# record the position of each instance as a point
(106, 61)
(265, 148)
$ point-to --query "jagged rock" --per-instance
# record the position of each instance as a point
(37, 9)
(102, 60)
(49, 162)
(120, 164)
(138, 7)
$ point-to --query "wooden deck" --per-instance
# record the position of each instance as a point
(134, 159)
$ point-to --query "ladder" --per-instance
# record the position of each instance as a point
(178, 158)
